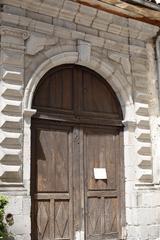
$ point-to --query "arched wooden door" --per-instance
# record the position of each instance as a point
(76, 142)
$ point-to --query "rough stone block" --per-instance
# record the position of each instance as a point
(137, 42)
(44, 27)
(9, 18)
(39, 17)
(154, 232)
(15, 205)
(139, 67)
(140, 82)
(63, 33)
(10, 174)
(69, 10)
(125, 32)
(146, 216)
(96, 41)
(100, 24)
(88, 30)
(26, 205)
(131, 200)
(82, 19)
(107, 17)
(111, 36)
(78, 35)
(10, 139)
(12, 57)
(66, 15)
(133, 232)
(64, 23)
(143, 135)
(37, 43)
(117, 47)
(144, 175)
(131, 216)
(12, 40)
(21, 225)
(12, 73)
(84, 49)
(126, 65)
(10, 122)
(142, 97)
(10, 106)
(10, 90)
(14, 10)
(56, 3)
(113, 28)
(85, 15)
(88, 10)
(10, 156)
(119, 20)
(138, 51)
(141, 109)
(130, 174)
(52, 10)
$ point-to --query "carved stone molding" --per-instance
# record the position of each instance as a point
(129, 124)
(84, 50)
(37, 42)
(29, 112)
(15, 32)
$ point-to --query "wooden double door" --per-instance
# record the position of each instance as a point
(69, 201)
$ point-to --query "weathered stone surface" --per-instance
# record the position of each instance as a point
(37, 42)
(48, 33)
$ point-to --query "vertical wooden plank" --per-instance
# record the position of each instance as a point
(43, 220)
(95, 92)
(52, 160)
(61, 159)
(94, 216)
(110, 212)
(77, 86)
(52, 219)
(100, 153)
(67, 89)
(61, 218)
(76, 179)
(103, 215)
(82, 182)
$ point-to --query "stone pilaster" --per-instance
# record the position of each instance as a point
(11, 93)
(141, 81)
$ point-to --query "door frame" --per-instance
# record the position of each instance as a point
(105, 69)
(104, 120)
(121, 202)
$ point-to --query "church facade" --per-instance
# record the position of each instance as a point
(80, 118)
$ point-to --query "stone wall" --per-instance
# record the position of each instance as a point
(36, 37)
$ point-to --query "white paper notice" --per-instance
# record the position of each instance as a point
(100, 173)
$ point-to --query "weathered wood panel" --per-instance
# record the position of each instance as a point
(74, 131)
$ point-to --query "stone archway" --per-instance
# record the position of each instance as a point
(106, 71)
(77, 133)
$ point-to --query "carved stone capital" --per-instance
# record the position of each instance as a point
(129, 124)
(19, 33)
(29, 112)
